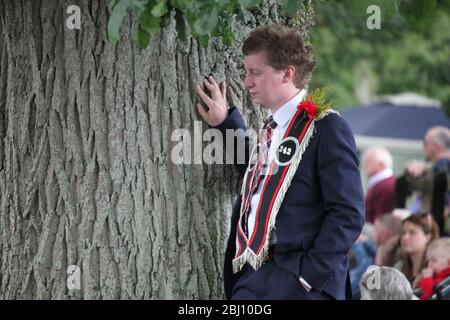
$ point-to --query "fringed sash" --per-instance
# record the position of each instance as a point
(282, 170)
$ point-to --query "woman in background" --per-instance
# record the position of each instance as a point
(417, 232)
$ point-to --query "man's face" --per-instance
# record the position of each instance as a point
(428, 146)
(264, 83)
(371, 165)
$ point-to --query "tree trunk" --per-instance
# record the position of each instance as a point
(86, 174)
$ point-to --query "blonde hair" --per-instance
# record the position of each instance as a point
(442, 246)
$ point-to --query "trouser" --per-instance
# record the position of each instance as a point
(271, 282)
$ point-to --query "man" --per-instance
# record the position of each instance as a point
(431, 179)
(436, 150)
(387, 230)
(291, 227)
(361, 256)
(380, 196)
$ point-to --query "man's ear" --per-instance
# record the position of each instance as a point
(289, 74)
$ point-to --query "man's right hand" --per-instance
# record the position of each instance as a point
(217, 110)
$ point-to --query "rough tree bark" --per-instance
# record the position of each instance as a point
(86, 176)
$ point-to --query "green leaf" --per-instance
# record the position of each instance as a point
(222, 2)
(223, 29)
(290, 7)
(248, 4)
(138, 6)
(204, 41)
(113, 3)
(142, 38)
(228, 38)
(160, 9)
(228, 6)
(115, 21)
(180, 25)
(182, 5)
(149, 22)
(206, 22)
(217, 32)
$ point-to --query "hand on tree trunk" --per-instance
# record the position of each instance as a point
(214, 110)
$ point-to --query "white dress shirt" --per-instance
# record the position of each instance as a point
(282, 117)
(384, 174)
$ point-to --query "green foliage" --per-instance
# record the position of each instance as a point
(248, 4)
(160, 9)
(317, 96)
(290, 7)
(411, 51)
(119, 10)
(206, 18)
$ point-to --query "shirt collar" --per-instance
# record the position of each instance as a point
(373, 180)
(287, 111)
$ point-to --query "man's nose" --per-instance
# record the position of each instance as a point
(248, 82)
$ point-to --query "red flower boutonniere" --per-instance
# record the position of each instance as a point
(315, 104)
(310, 108)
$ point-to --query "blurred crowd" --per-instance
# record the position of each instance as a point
(403, 252)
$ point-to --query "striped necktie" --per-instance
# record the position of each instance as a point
(257, 173)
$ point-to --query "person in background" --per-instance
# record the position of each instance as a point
(361, 256)
(431, 178)
(385, 283)
(438, 266)
(387, 230)
(377, 164)
(436, 150)
(417, 232)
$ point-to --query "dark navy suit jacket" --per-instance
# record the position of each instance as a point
(322, 213)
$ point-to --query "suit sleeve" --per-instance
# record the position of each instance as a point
(343, 202)
(236, 139)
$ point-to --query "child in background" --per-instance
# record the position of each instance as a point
(438, 267)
